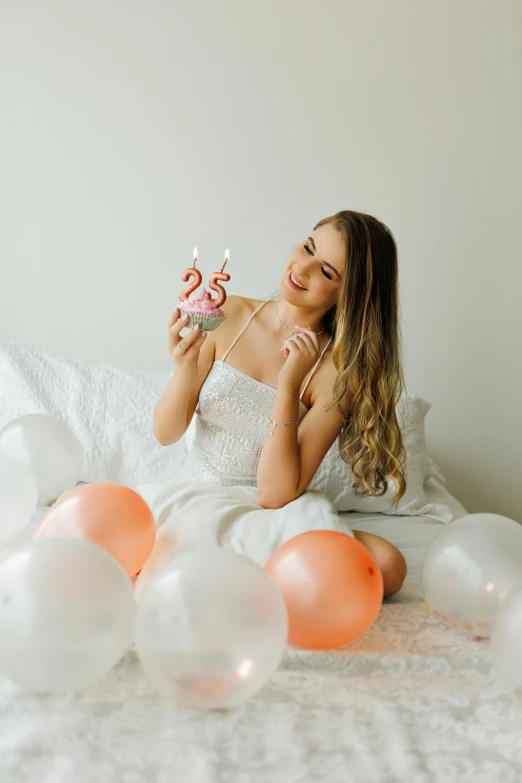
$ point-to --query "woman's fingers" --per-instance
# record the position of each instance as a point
(193, 339)
(307, 340)
(184, 348)
(176, 324)
(302, 342)
(176, 315)
(290, 340)
(298, 345)
(311, 334)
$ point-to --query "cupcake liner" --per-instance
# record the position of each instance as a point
(206, 321)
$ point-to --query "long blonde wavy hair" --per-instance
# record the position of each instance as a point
(366, 353)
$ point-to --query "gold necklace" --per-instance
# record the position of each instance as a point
(288, 328)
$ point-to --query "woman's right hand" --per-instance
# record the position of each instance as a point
(184, 350)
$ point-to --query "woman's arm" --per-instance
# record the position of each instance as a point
(291, 456)
(175, 408)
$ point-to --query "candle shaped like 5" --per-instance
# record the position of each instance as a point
(214, 277)
(187, 274)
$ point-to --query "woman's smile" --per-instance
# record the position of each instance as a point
(295, 283)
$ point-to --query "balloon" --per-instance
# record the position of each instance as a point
(470, 568)
(18, 496)
(211, 628)
(166, 548)
(110, 515)
(506, 643)
(48, 448)
(67, 612)
(332, 586)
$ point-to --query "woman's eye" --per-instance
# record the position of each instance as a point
(322, 268)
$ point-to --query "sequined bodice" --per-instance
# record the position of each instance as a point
(231, 425)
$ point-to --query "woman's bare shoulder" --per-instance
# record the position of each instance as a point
(237, 310)
(238, 305)
(325, 379)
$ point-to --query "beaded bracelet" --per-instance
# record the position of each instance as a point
(283, 423)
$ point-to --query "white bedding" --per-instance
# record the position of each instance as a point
(409, 701)
(412, 535)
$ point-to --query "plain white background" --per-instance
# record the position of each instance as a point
(132, 131)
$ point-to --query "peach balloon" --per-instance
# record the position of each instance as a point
(110, 515)
(332, 586)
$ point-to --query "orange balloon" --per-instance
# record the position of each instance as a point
(110, 515)
(332, 586)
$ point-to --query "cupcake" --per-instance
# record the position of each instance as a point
(203, 310)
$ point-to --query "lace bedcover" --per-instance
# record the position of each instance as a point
(411, 700)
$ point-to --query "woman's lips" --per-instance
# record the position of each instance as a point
(293, 285)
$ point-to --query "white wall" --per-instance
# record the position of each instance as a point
(131, 131)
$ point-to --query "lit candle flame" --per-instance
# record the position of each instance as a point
(195, 256)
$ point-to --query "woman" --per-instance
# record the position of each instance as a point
(278, 381)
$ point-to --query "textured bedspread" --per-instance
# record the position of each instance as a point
(409, 701)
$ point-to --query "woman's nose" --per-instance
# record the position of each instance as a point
(303, 272)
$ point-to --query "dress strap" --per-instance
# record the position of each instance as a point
(315, 367)
(243, 329)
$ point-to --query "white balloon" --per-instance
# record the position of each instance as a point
(18, 496)
(67, 612)
(166, 548)
(211, 628)
(48, 448)
(506, 644)
(470, 568)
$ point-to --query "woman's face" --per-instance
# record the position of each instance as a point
(317, 264)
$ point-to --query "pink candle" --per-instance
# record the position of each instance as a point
(187, 274)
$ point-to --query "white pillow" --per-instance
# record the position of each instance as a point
(334, 478)
(110, 410)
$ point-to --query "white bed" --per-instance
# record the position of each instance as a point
(409, 701)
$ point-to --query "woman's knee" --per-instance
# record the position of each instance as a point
(394, 570)
(390, 560)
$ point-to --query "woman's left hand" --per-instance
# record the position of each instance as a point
(301, 351)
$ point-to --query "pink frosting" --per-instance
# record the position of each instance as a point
(201, 303)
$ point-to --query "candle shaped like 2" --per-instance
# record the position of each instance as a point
(187, 274)
(214, 277)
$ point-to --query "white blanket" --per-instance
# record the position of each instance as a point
(193, 513)
(410, 700)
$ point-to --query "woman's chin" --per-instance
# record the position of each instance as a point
(288, 293)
